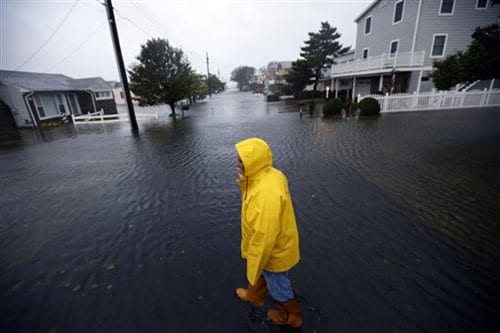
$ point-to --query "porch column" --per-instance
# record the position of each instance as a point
(336, 87)
(381, 82)
(353, 87)
(419, 81)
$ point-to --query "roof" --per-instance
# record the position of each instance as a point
(35, 81)
(115, 84)
(91, 83)
(284, 64)
(366, 10)
(30, 81)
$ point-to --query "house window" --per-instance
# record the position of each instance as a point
(368, 25)
(481, 4)
(438, 45)
(393, 49)
(365, 53)
(60, 104)
(99, 95)
(39, 106)
(122, 95)
(446, 7)
(46, 105)
(398, 12)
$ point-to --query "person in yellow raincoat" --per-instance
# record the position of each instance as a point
(269, 235)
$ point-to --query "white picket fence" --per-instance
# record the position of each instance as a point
(436, 100)
(99, 117)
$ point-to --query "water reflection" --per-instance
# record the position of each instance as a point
(105, 231)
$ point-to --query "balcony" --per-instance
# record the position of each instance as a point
(379, 63)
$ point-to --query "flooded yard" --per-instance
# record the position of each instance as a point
(105, 231)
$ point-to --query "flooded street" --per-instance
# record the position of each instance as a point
(104, 231)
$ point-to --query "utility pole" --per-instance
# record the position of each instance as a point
(121, 66)
(208, 79)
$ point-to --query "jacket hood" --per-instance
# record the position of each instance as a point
(255, 154)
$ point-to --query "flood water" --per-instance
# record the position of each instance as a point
(399, 221)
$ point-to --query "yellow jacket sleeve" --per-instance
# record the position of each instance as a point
(263, 215)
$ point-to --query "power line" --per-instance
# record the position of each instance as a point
(50, 37)
(79, 46)
(148, 15)
(135, 24)
(153, 20)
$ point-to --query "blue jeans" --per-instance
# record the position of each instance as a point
(279, 285)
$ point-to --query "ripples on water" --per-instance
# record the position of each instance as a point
(104, 231)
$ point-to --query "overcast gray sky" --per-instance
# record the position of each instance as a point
(232, 32)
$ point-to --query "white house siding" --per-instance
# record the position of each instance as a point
(13, 97)
(383, 31)
(458, 26)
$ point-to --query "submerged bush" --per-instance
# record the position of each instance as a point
(333, 106)
(307, 94)
(369, 107)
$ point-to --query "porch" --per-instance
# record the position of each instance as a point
(379, 63)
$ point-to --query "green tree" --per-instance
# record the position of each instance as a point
(449, 72)
(162, 75)
(299, 76)
(483, 54)
(321, 49)
(198, 87)
(480, 61)
(242, 75)
(216, 85)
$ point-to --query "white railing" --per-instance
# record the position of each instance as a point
(100, 117)
(436, 100)
(384, 61)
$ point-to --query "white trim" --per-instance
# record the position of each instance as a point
(446, 14)
(30, 111)
(481, 8)
(371, 25)
(444, 46)
(417, 21)
(390, 47)
(367, 49)
(402, 12)
(381, 71)
(110, 96)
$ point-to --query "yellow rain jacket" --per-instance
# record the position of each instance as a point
(269, 236)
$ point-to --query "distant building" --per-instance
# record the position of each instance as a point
(120, 94)
(276, 70)
(34, 98)
(397, 42)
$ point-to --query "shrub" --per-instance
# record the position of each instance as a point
(287, 90)
(308, 94)
(369, 107)
(333, 106)
(272, 98)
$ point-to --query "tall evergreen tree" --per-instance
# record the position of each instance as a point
(321, 49)
(299, 76)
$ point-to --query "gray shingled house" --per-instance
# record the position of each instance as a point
(35, 98)
(398, 40)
